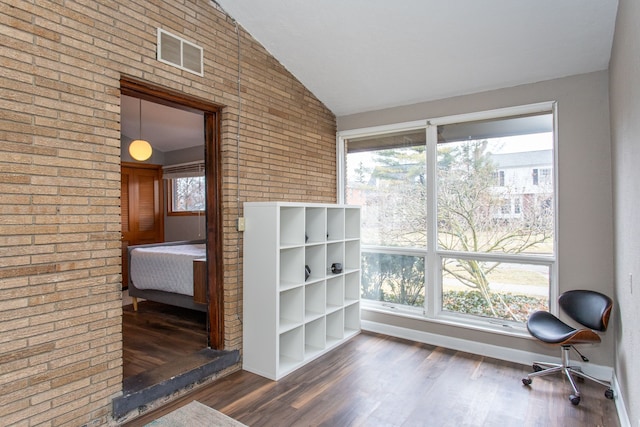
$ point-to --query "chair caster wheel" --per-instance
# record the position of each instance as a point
(526, 381)
(575, 400)
(608, 393)
(536, 368)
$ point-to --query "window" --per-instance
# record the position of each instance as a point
(186, 195)
(386, 176)
(186, 187)
(546, 177)
(516, 205)
(452, 225)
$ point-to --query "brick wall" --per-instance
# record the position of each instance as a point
(60, 299)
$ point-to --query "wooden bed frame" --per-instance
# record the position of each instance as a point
(197, 302)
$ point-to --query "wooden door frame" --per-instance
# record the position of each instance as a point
(213, 176)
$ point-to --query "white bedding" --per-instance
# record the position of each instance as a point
(165, 268)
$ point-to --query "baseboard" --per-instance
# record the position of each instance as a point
(621, 409)
(482, 349)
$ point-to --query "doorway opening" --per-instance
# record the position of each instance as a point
(169, 321)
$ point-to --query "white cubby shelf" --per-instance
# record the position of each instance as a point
(291, 317)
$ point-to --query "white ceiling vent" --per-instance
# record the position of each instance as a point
(176, 51)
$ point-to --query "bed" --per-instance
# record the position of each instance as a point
(170, 273)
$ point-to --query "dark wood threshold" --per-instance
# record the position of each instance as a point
(165, 355)
(142, 390)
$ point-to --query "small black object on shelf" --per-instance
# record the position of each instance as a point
(336, 268)
(307, 272)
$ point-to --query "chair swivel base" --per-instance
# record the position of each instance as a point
(543, 369)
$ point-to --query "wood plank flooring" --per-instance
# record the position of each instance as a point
(375, 380)
(158, 334)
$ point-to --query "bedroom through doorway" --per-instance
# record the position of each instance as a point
(170, 330)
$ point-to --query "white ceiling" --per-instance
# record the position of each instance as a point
(364, 55)
(166, 128)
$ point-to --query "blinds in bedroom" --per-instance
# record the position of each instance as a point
(183, 170)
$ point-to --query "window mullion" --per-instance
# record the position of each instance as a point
(432, 274)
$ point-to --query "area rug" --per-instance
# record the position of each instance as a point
(195, 414)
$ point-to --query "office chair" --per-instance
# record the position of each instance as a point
(589, 308)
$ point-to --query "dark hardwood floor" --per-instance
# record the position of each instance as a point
(158, 334)
(375, 380)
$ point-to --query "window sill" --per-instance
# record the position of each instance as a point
(451, 320)
(185, 213)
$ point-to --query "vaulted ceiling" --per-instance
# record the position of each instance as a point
(364, 55)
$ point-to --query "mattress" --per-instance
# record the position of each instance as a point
(165, 268)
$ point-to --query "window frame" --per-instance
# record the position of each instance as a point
(432, 311)
(170, 191)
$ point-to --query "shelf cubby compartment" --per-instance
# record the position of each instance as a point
(291, 267)
(351, 319)
(314, 338)
(314, 301)
(335, 294)
(335, 224)
(291, 349)
(291, 226)
(315, 259)
(352, 223)
(352, 260)
(291, 309)
(351, 288)
(335, 327)
(315, 225)
(335, 254)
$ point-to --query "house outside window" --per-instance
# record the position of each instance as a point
(452, 225)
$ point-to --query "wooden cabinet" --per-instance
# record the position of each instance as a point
(141, 208)
(296, 307)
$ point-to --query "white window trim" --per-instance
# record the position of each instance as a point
(432, 312)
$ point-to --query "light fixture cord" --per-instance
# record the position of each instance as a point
(140, 118)
(215, 4)
(238, 263)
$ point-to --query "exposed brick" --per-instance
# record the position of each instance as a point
(60, 181)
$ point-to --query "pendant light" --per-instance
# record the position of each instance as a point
(140, 149)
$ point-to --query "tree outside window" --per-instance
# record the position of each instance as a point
(475, 217)
(494, 241)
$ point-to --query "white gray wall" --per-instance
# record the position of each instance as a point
(625, 138)
(585, 247)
